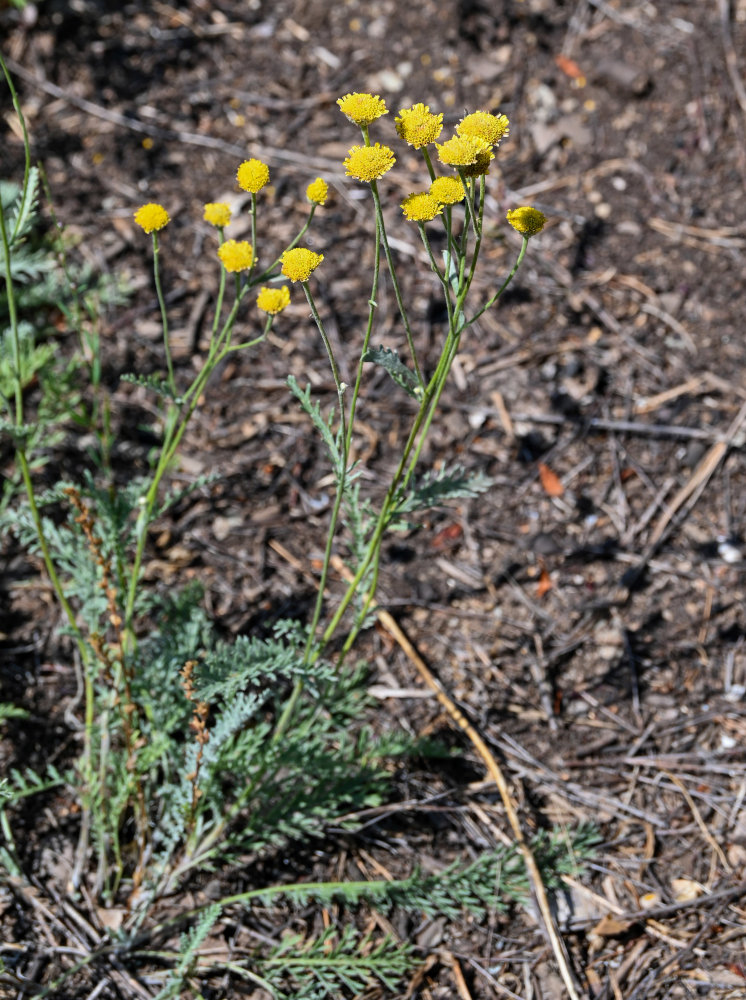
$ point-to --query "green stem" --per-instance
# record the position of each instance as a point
(372, 306)
(221, 289)
(177, 419)
(395, 282)
(428, 162)
(267, 272)
(502, 287)
(164, 314)
(341, 474)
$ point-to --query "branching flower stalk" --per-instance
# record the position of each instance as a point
(470, 154)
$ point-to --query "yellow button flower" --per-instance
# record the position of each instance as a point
(461, 150)
(483, 125)
(418, 126)
(526, 220)
(152, 217)
(362, 109)
(481, 165)
(252, 175)
(297, 264)
(236, 255)
(317, 191)
(217, 213)
(369, 163)
(273, 300)
(421, 207)
(448, 190)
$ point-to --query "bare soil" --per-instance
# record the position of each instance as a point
(588, 613)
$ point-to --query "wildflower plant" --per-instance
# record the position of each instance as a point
(199, 754)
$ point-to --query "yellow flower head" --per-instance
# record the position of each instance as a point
(317, 191)
(418, 126)
(368, 163)
(448, 190)
(461, 150)
(483, 125)
(421, 207)
(362, 109)
(236, 255)
(481, 165)
(273, 300)
(526, 220)
(297, 264)
(252, 175)
(217, 213)
(152, 217)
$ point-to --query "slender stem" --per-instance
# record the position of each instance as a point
(177, 419)
(372, 306)
(395, 282)
(221, 289)
(341, 473)
(428, 162)
(289, 709)
(164, 314)
(502, 287)
(253, 232)
(293, 243)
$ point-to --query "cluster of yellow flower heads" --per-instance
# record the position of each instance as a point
(469, 151)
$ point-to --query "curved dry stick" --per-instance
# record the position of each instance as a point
(537, 883)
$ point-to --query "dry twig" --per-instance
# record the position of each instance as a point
(497, 776)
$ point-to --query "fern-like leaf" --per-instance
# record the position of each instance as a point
(157, 385)
(443, 485)
(390, 361)
(20, 206)
(322, 425)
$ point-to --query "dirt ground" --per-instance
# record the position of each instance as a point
(588, 613)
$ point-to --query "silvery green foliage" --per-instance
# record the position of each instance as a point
(391, 363)
(254, 793)
(324, 425)
(338, 959)
(189, 952)
(442, 485)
